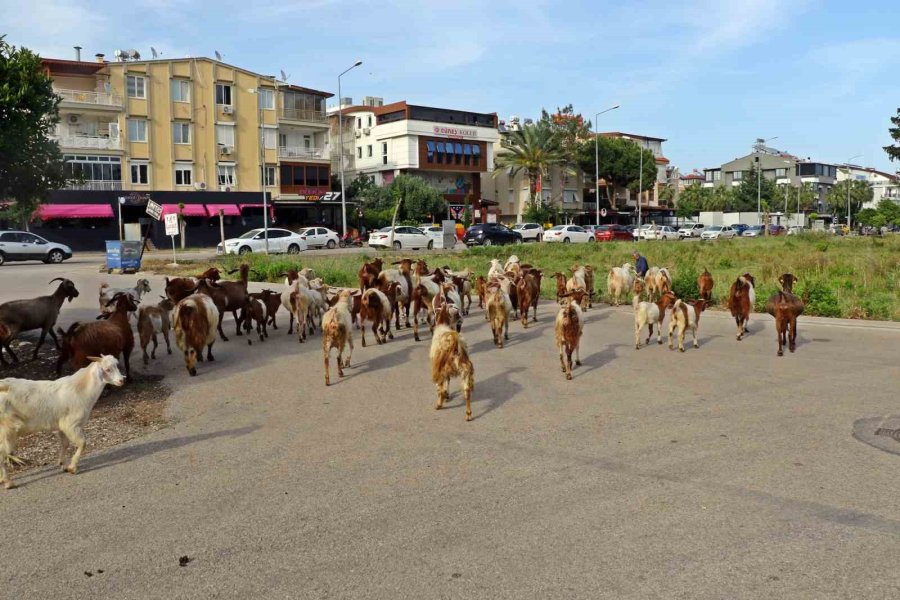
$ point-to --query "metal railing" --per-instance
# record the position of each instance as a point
(298, 114)
(102, 186)
(93, 142)
(302, 152)
(82, 97)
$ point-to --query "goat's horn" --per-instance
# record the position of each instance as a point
(56, 279)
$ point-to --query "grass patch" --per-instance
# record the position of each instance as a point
(847, 277)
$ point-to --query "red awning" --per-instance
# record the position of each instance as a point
(74, 211)
(190, 210)
(229, 210)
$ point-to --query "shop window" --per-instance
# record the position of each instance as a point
(459, 153)
(440, 153)
(429, 148)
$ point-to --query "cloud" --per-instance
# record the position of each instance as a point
(52, 27)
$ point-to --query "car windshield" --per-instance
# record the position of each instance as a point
(755, 228)
(385, 229)
(519, 226)
(557, 228)
(250, 234)
(714, 229)
(602, 228)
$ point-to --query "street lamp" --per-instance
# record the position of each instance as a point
(597, 160)
(760, 142)
(849, 181)
(262, 161)
(341, 149)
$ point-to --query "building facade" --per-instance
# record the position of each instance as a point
(884, 185)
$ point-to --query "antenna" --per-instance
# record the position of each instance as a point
(154, 52)
(218, 56)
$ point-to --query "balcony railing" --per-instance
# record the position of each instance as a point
(102, 186)
(92, 142)
(298, 114)
(302, 152)
(98, 98)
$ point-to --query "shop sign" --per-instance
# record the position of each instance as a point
(455, 131)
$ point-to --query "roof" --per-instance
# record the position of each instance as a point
(300, 88)
(72, 67)
(692, 176)
(619, 134)
(889, 176)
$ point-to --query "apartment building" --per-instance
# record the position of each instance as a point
(884, 185)
(448, 148)
(195, 132)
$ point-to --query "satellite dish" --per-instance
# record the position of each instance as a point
(218, 56)
(284, 76)
(133, 54)
(154, 52)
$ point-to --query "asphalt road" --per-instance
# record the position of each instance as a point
(723, 472)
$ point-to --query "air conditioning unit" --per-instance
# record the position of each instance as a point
(226, 149)
(200, 185)
(358, 134)
(74, 119)
(227, 110)
(367, 131)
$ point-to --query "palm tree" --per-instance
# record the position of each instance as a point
(532, 149)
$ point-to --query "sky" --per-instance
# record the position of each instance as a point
(710, 76)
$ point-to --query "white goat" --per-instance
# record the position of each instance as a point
(648, 314)
(337, 330)
(578, 281)
(106, 294)
(62, 405)
(619, 281)
(496, 271)
(512, 260)
(685, 316)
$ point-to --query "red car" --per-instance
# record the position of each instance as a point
(777, 230)
(610, 233)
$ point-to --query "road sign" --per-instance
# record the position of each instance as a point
(602, 212)
(172, 224)
(154, 209)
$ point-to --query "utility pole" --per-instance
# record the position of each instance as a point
(597, 161)
(341, 150)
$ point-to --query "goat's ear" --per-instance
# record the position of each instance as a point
(95, 358)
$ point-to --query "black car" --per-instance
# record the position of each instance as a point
(488, 234)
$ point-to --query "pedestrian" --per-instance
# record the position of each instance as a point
(640, 264)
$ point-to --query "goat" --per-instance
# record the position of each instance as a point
(403, 277)
(619, 281)
(447, 298)
(785, 307)
(195, 327)
(62, 405)
(560, 286)
(512, 260)
(705, 285)
(450, 358)
(300, 300)
(495, 271)
(499, 308)
(110, 334)
(272, 301)
(228, 296)
(337, 329)
(254, 310)
(578, 281)
(480, 289)
(658, 282)
(368, 272)
(37, 313)
(461, 279)
(136, 293)
(685, 316)
(423, 293)
(528, 291)
(376, 307)
(648, 314)
(741, 298)
(153, 320)
(179, 288)
(569, 326)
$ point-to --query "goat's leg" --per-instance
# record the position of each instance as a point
(153, 352)
(440, 395)
(671, 329)
(326, 352)
(219, 327)
(562, 357)
(578, 350)
(375, 332)
(637, 335)
(362, 332)
(40, 343)
(350, 353)
(76, 437)
(506, 328)
(740, 328)
(681, 332)
(237, 322)
(53, 337)
(63, 447)
(8, 440)
(694, 334)
(209, 355)
(568, 362)
(291, 324)
(340, 361)
(126, 358)
(166, 337)
(793, 333)
(468, 381)
(415, 308)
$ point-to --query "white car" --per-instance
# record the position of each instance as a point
(529, 231)
(280, 241)
(639, 233)
(795, 230)
(23, 245)
(404, 237)
(568, 234)
(691, 230)
(717, 232)
(434, 232)
(320, 237)
(660, 232)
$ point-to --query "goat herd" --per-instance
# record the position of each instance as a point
(195, 306)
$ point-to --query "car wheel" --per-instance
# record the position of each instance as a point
(244, 250)
(430, 244)
(567, 241)
(55, 257)
(488, 243)
(293, 249)
(518, 241)
(539, 238)
(330, 244)
(397, 245)
(2, 259)
(591, 239)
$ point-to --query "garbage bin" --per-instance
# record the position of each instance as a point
(125, 256)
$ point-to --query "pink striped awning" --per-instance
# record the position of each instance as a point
(190, 210)
(74, 211)
(229, 210)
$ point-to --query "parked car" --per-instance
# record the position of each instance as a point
(717, 232)
(320, 237)
(795, 230)
(23, 245)
(405, 236)
(740, 228)
(777, 230)
(530, 232)
(836, 230)
(691, 230)
(489, 234)
(434, 232)
(660, 232)
(753, 231)
(566, 234)
(610, 233)
(639, 233)
(280, 241)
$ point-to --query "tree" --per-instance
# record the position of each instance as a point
(718, 200)
(669, 195)
(893, 151)
(745, 195)
(692, 199)
(569, 130)
(30, 162)
(687, 206)
(532, 149)
(890, 210)
(418, 201)
(619, 166)
(860, 193)
(870, 216)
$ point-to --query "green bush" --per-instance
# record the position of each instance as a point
(684, 283)
(821, 300)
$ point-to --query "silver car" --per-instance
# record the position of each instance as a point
(23, 245)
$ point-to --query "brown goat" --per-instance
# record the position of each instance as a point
(153, 320)
(498, 308)
(229, 296)
(741, 298)
(785, 307)
(254, 310)
(272, 301)
(375, 307)
(195, 327)
(338, 333)
(528, 292)
(569, 327)
(110, 334)
(481, 290)
(368, 272)
(179, 288)
(560, 286)
(450, 358)
(705, 285)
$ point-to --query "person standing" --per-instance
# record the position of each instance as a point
(640, 264)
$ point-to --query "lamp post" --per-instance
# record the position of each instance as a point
(341, 150)
(849, 181)
(262, 160)
(760, 142)
(597, 161)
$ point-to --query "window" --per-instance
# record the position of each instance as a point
(476, 154)
(440, 152)
(269, 175)
(369, 150)
(225, 135)
(737, 176)
(359, 152)
(468, 153)
(226, 175)
(709, 175)
(429, 147)
(94, 168)
(717, 175)
(181, 133)
(270, 137)
(384, 153)
(369, 121)
(136, 86)
(324, 179)
(137, 130)
(359, 122)
(266, 99)
(184, 174)
(298, 176)
(459, 151)
(449, 153)
(780, 172)
(181, 90)
(307, 142)
(140, 173)
(223, 94)
(311, 175)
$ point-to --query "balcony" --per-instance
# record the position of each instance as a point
(88, 142)
(98, 186)
(307, 116)
(95, 99)
(302, 153)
